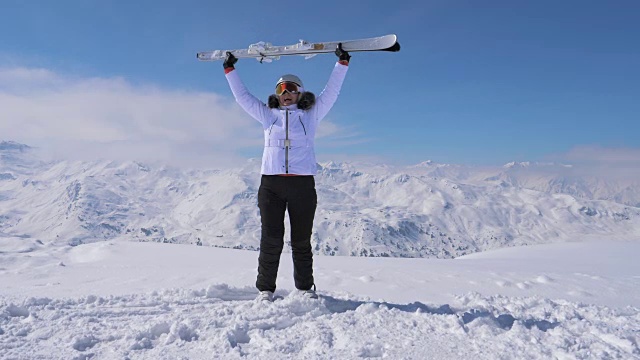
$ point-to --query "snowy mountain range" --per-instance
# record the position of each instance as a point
(426, 210)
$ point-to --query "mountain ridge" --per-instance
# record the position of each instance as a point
(429, 210)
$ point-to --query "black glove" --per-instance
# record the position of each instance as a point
(229, 61)
(341, 54)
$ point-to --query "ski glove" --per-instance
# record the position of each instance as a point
(229, 61)
(341, 54)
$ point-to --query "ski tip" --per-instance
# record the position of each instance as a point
(396, 45)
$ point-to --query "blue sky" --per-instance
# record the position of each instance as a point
(475, 82)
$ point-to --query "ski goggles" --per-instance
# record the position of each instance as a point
(287, 86)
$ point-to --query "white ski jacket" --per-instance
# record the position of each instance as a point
(289, 132)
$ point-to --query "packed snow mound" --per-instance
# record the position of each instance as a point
(223, 322)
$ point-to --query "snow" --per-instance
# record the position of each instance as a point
(100, 260)
(118, 299)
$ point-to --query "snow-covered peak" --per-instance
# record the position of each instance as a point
(426, 163)
(16, 159)
(514, 164)
(13, 146)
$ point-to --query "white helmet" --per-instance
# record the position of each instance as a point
(290, 78)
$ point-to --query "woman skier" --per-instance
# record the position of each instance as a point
(289, 121)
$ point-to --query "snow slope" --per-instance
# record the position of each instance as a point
(98, 260)
(125, 300)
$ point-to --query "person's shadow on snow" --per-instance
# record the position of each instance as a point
(504, 321)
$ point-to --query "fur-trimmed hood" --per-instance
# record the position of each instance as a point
(306, 100)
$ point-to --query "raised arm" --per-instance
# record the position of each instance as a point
(249, 103)
(330, 93)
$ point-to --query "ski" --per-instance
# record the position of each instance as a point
(263, 51)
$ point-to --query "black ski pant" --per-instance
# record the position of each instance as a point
(297, 195)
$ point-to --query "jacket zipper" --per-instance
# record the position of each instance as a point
(286, 143)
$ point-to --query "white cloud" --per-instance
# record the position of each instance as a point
(602, 155)
(617, 163)
(15, 79)
(90, 118)
(111, 118)
(331, 134)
